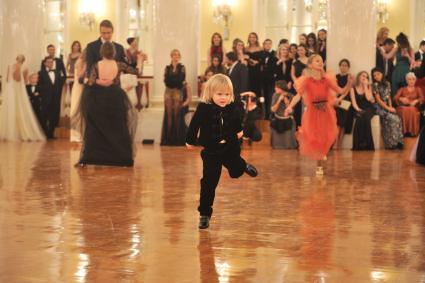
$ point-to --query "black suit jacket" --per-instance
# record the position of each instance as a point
(418, 56)
(32, 94)
(93, 53)
(60, 69)
(214, 124)
(239, 78)
(268, 63)
(49, 91)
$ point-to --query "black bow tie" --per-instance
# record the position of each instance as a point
(51, 71)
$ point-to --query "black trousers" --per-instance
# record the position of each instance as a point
(213, 161)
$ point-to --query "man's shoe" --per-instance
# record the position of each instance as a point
(251, 170)
(204, 222)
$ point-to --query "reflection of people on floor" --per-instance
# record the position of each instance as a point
(110, 232)
(208, 271)
(317, 231)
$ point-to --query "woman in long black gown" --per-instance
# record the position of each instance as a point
(254, 52)
(362, 101)
(106, 117)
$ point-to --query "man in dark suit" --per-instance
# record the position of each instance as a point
(268, 65)
(238, 74)
(420, 61)
(33, 91)
(93, 48)
(384, 62)
(58, 65)
(50, 90)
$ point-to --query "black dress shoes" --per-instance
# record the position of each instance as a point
(251, 170)
(204, 222)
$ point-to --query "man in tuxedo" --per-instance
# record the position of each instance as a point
(50, 90)
(33, 91)
(238, 74)
(93, 48)
(420, 61)
(268, 65)
(58, 65)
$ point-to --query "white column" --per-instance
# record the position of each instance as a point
(417, 22)
(21, 32)
(176, 25)
(351, 34)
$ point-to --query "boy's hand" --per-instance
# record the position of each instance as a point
(240, 134)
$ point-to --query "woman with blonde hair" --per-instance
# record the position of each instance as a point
(18, 121)
(362, 101)
(382, 34)
(318, 129)
(173, 132)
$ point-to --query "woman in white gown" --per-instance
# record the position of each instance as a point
(17, 119)
(77, 90)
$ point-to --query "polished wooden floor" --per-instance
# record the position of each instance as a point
(364, 221)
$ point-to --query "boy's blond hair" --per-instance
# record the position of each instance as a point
(216, 83)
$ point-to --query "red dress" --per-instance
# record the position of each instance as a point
(318, 129)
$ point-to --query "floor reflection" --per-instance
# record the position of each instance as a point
(364, 221)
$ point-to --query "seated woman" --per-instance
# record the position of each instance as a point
(362, 101)
(106, 117)
(216, 66)
(282, 128)
(391, 127)
(408, 100)
(252, 114)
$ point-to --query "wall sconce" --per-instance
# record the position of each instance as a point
(308, 5)
(381, 7)
(86, 13)
(223, 13)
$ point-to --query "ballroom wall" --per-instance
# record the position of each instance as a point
(107, 9)
(240, 26)
(399, 17)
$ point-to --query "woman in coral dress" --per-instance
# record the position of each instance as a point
(318, 129)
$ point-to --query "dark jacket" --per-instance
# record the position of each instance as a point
(268, 63)
(93, 53)
(174, 79)
(49, 91)
(239, 78)
(60, 70)
(208, 121)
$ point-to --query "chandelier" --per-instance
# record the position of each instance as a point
(222, 13)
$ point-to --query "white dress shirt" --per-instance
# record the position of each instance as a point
(51, 75)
